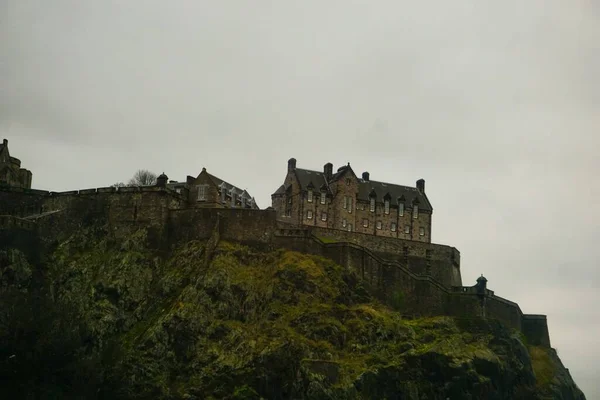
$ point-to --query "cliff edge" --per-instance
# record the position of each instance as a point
(94, 316)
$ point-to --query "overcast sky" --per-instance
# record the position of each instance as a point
(495, 104)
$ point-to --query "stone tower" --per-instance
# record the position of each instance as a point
(11, 173)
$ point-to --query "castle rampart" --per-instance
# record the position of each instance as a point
(415, 277)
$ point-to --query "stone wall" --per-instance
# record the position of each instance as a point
(414, 277)
(237, 224)
(535, 329)
(21, 202)
(438, 261)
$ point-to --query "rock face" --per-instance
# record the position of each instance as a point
(94, 317)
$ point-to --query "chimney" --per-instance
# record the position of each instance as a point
(189, 179)
(5, 142)
(365, 176)
(328, 171)
(291, 164)
(421, 185)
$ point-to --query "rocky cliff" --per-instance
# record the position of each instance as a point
(89, 316)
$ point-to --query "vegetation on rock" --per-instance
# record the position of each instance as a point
(105, 318)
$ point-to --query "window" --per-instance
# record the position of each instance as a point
(366, 223)
(309, 214)
(288, 206)
(347, 181)
(401, 209)
(178, 190)
(323, 197)
(407, 229)
(379, 224)
(349, 227)
(386, 207)
(350, 204)
(415, 211)
(372, 204)
(202, 189)
(421, 231)
(324, 216)
(393, 227)
(344, 223)
(345, 202)
(310, 196)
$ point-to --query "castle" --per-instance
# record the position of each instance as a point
(343, 201)
(363, 229)
(11, 173)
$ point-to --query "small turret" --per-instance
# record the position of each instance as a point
(162, 180)
(481, 285)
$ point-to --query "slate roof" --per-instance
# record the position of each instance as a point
(381, 189)
(306, 176)
(229, 186)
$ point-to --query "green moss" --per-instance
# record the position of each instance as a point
(325, 239)
(543, 366)
(254, 324)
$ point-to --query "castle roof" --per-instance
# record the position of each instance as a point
(395, 192)
(305, 177)
(407, 194)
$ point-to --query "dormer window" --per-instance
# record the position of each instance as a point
(415, 211)
(372, 205)
(223, 192)
(309, 197)
(232, 198)
(323, 197)
(401, 209)
(386, 208)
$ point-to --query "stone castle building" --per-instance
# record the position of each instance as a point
(11, 173)
(379, 231)
(341, 200)
(206, 190)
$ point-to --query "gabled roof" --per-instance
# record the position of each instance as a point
(228, 186)
(306, 176)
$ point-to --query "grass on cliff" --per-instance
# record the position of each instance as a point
(245, 320)
(249, 306)
(543, 366)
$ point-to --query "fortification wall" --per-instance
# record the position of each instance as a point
(21, 202)
(535, 329)
(439, 261)
(404, 274)
(241, 225)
